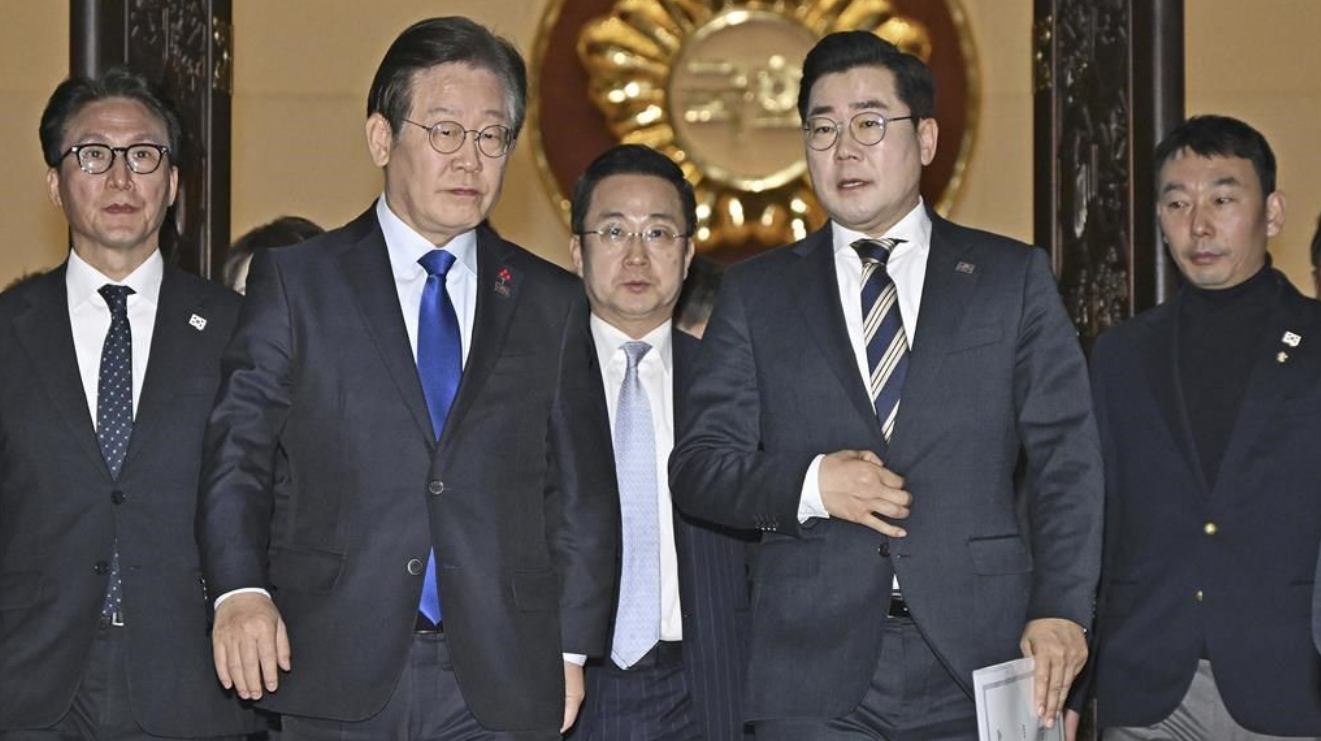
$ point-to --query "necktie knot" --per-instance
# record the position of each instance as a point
(634, 352)
(116, 297)
(876, 250)
(437, 263)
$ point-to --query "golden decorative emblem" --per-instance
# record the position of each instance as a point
(713, 84)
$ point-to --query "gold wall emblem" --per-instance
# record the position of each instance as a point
(714, 85)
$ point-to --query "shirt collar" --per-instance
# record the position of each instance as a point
(406, 246)
(609, 339)
(914, 229)
(82, 281)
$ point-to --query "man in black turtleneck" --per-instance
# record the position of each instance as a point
(1209, 408)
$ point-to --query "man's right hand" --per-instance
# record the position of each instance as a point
(249, 642)
(856, 486)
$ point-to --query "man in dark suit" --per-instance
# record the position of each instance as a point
(677, 655)
(442, 556)
(1209, 410)
(108, 367)
(863, 397)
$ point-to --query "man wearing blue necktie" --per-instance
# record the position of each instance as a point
(864, 397)
(441, 565)
(675, 666)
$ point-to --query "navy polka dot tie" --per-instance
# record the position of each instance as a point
(114, 411)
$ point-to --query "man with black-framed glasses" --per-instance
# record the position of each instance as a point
(863, 397)
(441, 565)
(108, 367)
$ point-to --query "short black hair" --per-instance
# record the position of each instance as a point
(436, 41)
(282, 232)
(72, 95)
(1220, 136)
(846, 50)
(1316, 245)
(631, 159)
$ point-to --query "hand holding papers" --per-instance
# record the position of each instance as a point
(1005, 710)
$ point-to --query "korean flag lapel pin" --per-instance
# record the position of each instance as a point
(966, 268)
(1292, 339)
(197, 322)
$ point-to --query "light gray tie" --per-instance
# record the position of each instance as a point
(637, 621)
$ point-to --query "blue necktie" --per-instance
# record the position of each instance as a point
(637, 621)
(114, 412)
(882, 330)
(440, 366)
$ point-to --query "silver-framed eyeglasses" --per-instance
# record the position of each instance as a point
(95, 159)
(616, 236)
(867, 129)
(447, 137)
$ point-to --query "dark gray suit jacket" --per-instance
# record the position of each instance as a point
(515, 498)
(996, 372)
(62, 513)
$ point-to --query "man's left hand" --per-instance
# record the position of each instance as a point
(1060, 649)
(573, 694)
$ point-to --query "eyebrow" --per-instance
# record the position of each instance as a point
(1220, 182)
(622, 215)
(140, 137)
(860, 105)
(451, 112)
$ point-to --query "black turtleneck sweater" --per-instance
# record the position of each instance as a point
(1221, 333)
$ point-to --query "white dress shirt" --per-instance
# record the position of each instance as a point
(656, 372)
(907, 267)
(89, 316)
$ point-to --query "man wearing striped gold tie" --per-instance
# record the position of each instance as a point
(865, 397)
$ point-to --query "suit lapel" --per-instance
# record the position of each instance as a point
(171, 341)
(1161, 358)
(367, 266)
(819, 307)
(946, 295)
(47, 337)
(498, 289)
(1271, 381)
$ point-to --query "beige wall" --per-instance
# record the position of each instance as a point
(303, 68)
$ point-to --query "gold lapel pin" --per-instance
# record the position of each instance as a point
(1283, 357)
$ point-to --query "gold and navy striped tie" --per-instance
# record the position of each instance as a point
(882, 331)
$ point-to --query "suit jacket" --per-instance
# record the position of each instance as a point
(995, 371)
(1176, 589)
(515, 498)
(713, 595)
(63, 512)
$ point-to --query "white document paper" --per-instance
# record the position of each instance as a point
(1004, 704)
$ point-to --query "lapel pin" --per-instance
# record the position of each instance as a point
(503, 280)
(965, 267)
(1291, 339)
(198, 322)
(1283, 357)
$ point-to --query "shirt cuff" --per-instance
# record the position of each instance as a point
(809, 503)
(229, 594)
(575, 659)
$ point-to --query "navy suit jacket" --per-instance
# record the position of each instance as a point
(515, 498)
(996, 370)
(713, 594)
(1241, 593)
(62, 513)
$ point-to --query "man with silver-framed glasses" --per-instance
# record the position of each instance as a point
(863, 397)
(441, 561)
(108, 368)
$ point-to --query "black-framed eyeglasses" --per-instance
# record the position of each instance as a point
(95, 159)
(615, 235)
(447, 137)
(867, 128)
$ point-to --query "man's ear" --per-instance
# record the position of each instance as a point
(576, 254)
(928, 132)
(1275, 203)
(53, 187)
(380, 139)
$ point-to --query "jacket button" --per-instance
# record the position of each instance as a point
(100, 567)
(415, 567)
(1199, 595)
(1210, 528)
(436, 487)
(118, 497)
(884, 549)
